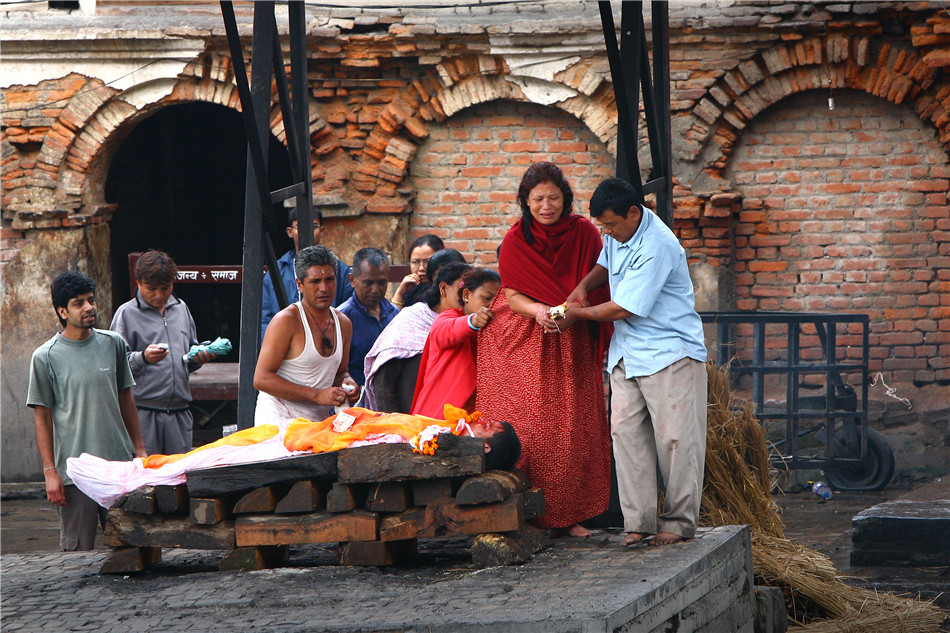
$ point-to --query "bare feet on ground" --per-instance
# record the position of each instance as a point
(666, 538)
(577, 531)
(634, 538)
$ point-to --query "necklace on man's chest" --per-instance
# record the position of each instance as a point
(327, 343)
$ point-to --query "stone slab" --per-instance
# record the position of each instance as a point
(573, 586)
(902, 533)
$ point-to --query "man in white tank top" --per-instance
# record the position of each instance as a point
(301, 370)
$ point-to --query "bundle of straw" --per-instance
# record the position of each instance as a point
(737, 490)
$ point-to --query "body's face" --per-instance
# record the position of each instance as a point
(369, 284)
(80, 312)
(318, 288)
(546, 203)
(481, 297)
(295, 236)
(419, 260)
(484, 429)
(618, 227)
(156, 296)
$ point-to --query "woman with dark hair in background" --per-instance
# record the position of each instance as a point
(391, 366)
(413, 286)
(550, 386)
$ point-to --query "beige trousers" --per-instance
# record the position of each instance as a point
(660, 420)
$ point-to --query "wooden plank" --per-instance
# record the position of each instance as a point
(493, 486)
(375, 553)
(125, 560)
(253, 558)
(319, 527)
(429, 491)
(509, 548)
(211, 511)
(448, 519)
(223, 480)
(388, 496)
(455, 457)
(172, 499)
(304, 496)
(532, 503)
(141, 501)
(259, 500)
(156, 530)
(346, 497)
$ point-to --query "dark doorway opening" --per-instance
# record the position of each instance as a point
(178, 180)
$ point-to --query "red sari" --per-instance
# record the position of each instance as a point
(550, 386)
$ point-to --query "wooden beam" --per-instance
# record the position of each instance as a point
(211, 511)
(259, 500)
(493, 486)
(509, 548)
(141, 501)
(447, 519)
(429, 491)
(304, 496)
(387, 496)
(346, 497)
(319, 527)
(376, 553)
(455, 457)
(172, 499)
(222, 480)
(125, 560)
(254, 558)
(154, 530)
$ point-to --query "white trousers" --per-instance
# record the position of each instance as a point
(660, 420)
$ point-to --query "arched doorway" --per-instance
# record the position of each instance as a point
(178, 181)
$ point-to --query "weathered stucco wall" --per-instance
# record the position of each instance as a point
(27, 320)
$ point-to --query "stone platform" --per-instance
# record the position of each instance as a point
(902, 533)
(573, 586)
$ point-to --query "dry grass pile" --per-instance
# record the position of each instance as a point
(737, 490)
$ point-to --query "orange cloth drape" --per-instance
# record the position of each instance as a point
(319, 437)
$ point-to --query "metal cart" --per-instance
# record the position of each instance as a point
(853, 456)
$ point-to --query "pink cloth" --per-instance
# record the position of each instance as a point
(404, 337)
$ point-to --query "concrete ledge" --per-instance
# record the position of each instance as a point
(575, 586)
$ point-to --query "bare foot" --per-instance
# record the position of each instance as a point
(666, 538)
(632, 539)
(577, 531)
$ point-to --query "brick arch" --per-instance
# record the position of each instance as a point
(454, 85)
(891, 71)
(98, 118)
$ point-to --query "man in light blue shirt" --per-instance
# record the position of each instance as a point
(657, 362)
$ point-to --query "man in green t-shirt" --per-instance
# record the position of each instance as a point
(80, 391)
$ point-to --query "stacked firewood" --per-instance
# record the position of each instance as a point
(375, 501)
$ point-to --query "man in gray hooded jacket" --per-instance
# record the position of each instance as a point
(159, 331)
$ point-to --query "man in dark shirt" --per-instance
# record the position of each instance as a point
(368, 308)
(285, 265)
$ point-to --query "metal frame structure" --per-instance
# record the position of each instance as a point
(840, 410)
(630, 73)
(267, 64)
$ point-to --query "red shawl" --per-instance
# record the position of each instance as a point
(549, 268)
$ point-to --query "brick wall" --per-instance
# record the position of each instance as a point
(466, 175)
(846, 211)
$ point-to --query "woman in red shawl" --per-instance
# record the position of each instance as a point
(551, 386)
